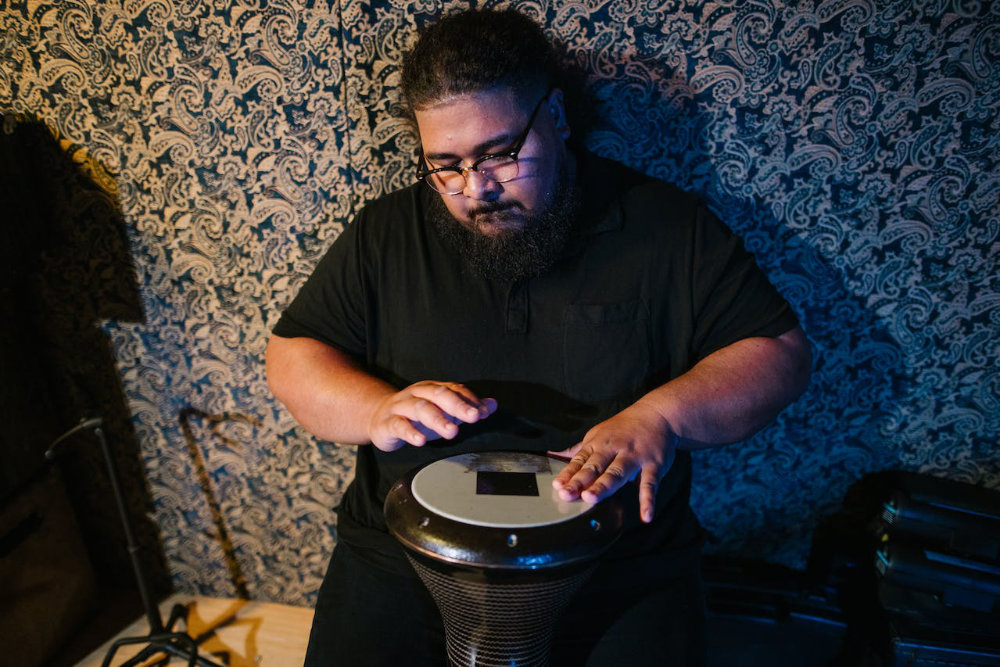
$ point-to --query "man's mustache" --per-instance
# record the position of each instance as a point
(494, 207)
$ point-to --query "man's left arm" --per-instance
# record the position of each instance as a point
(727, 396)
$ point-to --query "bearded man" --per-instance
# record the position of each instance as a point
(524, 294)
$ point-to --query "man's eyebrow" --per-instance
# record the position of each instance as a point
(498, 142)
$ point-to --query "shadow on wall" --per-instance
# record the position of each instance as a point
(65, 266)
(762, 498)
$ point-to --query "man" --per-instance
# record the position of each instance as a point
(528, 295)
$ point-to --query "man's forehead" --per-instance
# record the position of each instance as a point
(482, 118)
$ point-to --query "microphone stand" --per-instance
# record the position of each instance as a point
(161, 638)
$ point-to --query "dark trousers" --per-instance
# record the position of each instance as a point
(367, 616)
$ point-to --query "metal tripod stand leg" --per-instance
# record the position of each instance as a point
(168, 642)
(175, 644)
(161, 639)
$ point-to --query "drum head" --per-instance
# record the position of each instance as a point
(498, 510)
(495, 489)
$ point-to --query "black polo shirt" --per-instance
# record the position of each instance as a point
(650, 283)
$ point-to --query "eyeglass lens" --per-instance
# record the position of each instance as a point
(499, 169)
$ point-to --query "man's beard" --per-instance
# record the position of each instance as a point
(510, 253)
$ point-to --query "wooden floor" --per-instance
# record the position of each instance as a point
(237, 633)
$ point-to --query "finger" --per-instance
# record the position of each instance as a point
(589, 471)
(649, 481)
(434, 421)
(482, 407)
(566, 454)
(398, 430)
(421, 416)
(454, 399)
(614, 475)
(489, 406)
(575, 458)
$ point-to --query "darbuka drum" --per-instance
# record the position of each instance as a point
(499, 551)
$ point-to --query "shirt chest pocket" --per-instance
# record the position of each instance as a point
(605, 349)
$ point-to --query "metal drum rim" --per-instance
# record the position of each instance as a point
(445, 540)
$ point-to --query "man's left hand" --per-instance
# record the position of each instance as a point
(636, 441)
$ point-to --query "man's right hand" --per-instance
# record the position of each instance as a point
(334, 398)
(425, 411)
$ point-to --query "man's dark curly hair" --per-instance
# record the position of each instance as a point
(476, 50)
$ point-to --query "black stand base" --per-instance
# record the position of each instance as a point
(176, 644)
(161, 638)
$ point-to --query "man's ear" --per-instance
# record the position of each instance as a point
(557, 109)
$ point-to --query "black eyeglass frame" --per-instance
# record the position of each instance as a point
(515, 149)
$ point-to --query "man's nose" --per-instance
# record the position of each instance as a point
(478, 186)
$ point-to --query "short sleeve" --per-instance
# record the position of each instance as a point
(732, 297)
(330, 307)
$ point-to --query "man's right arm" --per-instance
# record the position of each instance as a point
(335, 399)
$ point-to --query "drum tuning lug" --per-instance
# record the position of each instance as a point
(512, 540)
(425, 522)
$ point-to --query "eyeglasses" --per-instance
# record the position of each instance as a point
(497, 167)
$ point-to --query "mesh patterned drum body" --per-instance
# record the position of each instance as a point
(499, 551)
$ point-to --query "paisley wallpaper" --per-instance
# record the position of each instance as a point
(853, 143)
